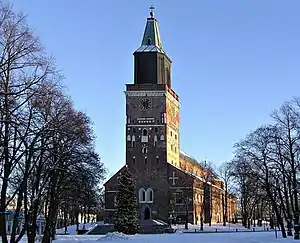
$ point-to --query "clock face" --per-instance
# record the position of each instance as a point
(146, 104)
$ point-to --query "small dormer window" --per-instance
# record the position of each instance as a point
(149, 41)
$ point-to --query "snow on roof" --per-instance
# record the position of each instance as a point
(187, 155)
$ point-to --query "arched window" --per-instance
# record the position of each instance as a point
(162, 137)
(128, 138)
(133, 141)
(133, 159)
(149, 41)
(157, 159)
(144, 150)
(155, 140)
(149, 195)
(145, 136)
(146, 160)
(142, 195)
(145, 132)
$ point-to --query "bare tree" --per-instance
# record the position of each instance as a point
(224, 172)
(287, 124)
(46, 143)
(23, 67)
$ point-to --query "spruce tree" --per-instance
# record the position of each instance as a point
(126, 220)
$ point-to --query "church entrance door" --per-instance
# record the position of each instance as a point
(147, 213)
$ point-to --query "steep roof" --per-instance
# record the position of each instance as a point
(189, 158)
(151, 41)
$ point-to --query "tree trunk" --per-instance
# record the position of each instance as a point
(65, 220)
(50, 220)
(187, 219)
(223, 210)
(6, 170)
(201, 223)
(77, 220)
(281, 225)
(16, 216)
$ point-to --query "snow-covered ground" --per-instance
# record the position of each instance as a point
(219, 227)
(258, 237)
(71, 230)
(230, 236)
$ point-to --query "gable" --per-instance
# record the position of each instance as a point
(112, 181)
(178, 177)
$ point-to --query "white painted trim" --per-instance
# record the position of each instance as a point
(180, 187)
(153, 93)
(143, 93)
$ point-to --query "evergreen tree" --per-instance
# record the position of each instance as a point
(126, 220)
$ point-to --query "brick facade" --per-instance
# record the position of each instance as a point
(169, 184)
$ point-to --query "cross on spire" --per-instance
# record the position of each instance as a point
(152, 8)
(173, 178)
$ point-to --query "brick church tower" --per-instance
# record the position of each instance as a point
(152, 127)
(170, 184)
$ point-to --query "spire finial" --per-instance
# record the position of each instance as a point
(152, 8)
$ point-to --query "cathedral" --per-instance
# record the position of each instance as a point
(171, 185)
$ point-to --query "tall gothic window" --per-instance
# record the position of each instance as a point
(149, 195)
(145, 132)
(145, 136)
(133, 141)
(142, 195)
(155, 140)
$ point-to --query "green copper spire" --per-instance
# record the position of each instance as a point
(151, 40)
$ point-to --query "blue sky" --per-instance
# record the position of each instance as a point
(234, 61)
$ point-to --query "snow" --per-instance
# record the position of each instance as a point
(226, 234)
(157, 222)
(114, 236)
(217, 226)
(251, 237)
(187, 155)
(71, 230)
